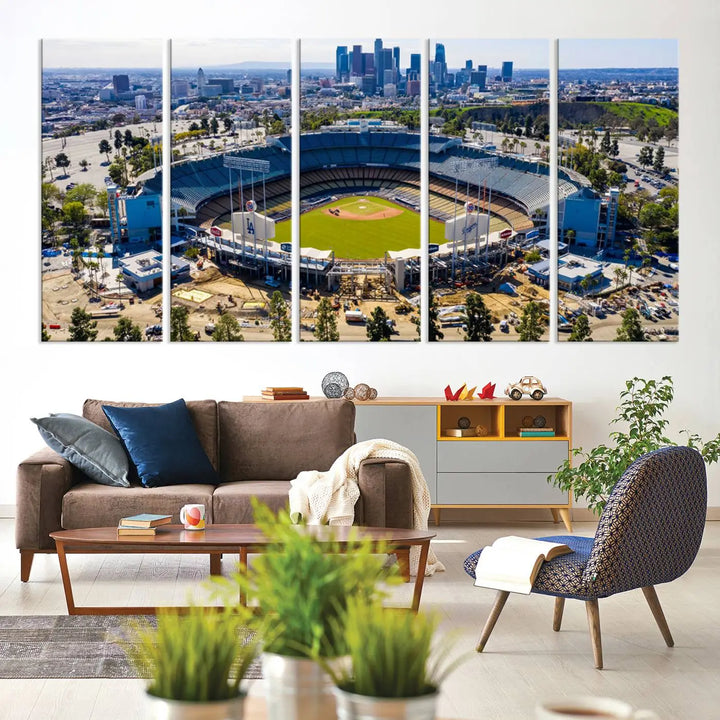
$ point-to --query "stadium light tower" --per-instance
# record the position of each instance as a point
(262, 167)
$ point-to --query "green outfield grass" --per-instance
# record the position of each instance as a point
(356, 239)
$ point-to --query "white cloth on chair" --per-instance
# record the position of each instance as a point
(330, 497)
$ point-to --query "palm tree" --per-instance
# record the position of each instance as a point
(523, 145)
(537, 147)
(120, 277)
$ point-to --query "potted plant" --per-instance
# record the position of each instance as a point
(195, 662)
(642, 407)
(395, 671)
(302, 587)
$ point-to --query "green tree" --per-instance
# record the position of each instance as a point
(377, 327)
(434, 332)
(74, 213)
(105, 149)
(128, 138)
(478, 318)
(606, 143)
(227, 329)
(326, 323)
(127, 331)
(280, 318)
(214, 125)
(533, 256)
(227, 124)
(84, 165)
(118, 141)
(44, 334)
(630, 330)
(659, 161)
(84, 193)
(82, 326)
(532, 324)
(179, 326)
(62, 161)
(614, 148)
(581, 331)
(645, 157)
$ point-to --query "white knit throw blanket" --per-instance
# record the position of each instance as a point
(330, 497)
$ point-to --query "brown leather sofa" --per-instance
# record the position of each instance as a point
(256, 448)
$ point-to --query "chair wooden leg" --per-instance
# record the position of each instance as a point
(26, 561)
(654, 603)
(500, 600)
(558, 613)
(593, 615)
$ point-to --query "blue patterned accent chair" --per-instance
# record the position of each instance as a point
(649, 533)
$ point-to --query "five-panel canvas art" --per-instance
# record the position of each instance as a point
(427, 171)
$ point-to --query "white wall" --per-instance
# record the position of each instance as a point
(57, 377)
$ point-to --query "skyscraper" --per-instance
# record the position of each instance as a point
(507, 70)
(440, 67)
(481, 77)
(340, 52)
(415, 62)
(469, 65)
(396, 63)
(378, 59)
(200, 81)
(357, 60)
(121, 84)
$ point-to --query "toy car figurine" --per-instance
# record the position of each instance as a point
(527, 385)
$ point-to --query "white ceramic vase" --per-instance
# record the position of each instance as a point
(363, 707)
(162, 709)
(296, 689)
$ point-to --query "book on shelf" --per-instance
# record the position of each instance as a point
(460, 432)
(127, 530)
(512, 563)
(144, 520)
(536, 432)
(284, 393)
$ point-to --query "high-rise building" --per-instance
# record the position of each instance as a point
(140, 102)
(469, 65)
(479, 77)
(368, 66)
(201, 81)
(357, 60)
(507, 70)
(340, 52)
(440, 66)
(121, 84)
(415, 62)
(378, 59)
(396, 62)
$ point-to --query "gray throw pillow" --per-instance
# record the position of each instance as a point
(98, 453)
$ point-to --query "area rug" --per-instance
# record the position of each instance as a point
(68, 646)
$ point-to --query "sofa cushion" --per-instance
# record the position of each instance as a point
(90, 505)
(232, 501)
(95, 451)
(277, 440)
(162, 442)
(202, 412)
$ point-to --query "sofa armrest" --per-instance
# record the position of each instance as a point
(386, 493)
(42, 480)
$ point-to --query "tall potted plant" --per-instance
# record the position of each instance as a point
(195, 662)
(642, 407)
(302, 587)
(395, 670)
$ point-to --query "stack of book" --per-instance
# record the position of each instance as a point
(143, 524)
(284, 393)
(536, 432)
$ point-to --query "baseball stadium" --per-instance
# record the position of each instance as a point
(360, 207)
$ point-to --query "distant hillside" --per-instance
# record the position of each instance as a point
(573, 114)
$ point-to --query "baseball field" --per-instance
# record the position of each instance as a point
(360, 227)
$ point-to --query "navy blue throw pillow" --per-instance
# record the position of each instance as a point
(162, 442)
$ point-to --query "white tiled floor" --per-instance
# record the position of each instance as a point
(524, 659)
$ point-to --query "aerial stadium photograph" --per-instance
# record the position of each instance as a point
(489, 179)
(360, 190)
(618, 239)
(101, 249)
(231, 190)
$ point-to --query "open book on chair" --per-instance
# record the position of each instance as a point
(512, 563)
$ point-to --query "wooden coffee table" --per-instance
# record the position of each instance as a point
(214, 541)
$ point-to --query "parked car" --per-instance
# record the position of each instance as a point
(270, 281)
(526, 385)
(153, 330)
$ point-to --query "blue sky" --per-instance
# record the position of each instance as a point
(636, 53)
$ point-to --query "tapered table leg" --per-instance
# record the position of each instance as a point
(658, 614)
(500, 600)
(558, 613)
(593, 615)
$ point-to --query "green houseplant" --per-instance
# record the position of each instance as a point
(302, 586)
(642, 407)
(395, 670)
(195, 661)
